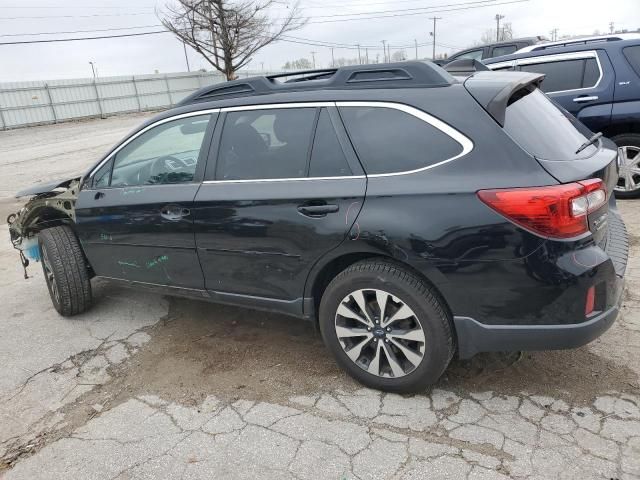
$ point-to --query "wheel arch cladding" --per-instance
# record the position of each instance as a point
(317, 285)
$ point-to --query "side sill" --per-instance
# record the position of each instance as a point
(292, 308)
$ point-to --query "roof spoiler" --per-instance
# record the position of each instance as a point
(492, 90)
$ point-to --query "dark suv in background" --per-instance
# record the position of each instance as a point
(490, 50)
(597, 79)
(411, 214)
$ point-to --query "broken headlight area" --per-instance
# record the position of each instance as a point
(45, 209)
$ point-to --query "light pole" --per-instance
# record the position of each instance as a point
(498, 18)
(93, 69)
(186, 58)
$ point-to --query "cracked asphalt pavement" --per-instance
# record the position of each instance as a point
(145, 386)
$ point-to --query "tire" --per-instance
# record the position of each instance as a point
(65, 270)
(404, 289)
(632, 142)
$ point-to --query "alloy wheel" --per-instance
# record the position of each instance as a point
(48, 272)
(380, 333)
(629, 175)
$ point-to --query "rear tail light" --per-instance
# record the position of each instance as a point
(558, 211)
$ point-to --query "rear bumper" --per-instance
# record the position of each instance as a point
(475, 337)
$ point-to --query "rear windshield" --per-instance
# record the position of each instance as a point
(544, 129)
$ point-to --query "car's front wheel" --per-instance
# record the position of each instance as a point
(65, 270)
(629, 181)
(386, 327)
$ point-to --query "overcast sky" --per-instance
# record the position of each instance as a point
(457, 29)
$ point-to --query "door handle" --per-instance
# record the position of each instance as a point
(174, 212)
(98, 195)
(585, 98)
(317, 210)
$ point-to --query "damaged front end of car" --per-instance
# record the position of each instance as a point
(50, 205)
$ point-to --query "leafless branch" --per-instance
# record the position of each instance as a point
(227, 33)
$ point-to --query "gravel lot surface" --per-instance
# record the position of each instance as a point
(144, 386)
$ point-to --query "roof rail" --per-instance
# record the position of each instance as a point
(384, 75)
(579, 41)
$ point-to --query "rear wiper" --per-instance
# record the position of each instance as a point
(591, 141)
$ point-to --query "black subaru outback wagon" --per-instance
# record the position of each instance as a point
(412, 214)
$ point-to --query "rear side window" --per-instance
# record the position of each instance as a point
(632, 55)
(389, 140)
(327, 157)
(260, 144)
(503, 50)
(543, 129)
(566, 74)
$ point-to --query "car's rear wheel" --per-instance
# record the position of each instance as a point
(65, 270)
(386, 327)
(629, 149)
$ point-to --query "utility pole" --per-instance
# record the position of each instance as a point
(554, 34)
(184, 45)
(433, 34)
(498, 18)
(359, 58)
(416, 42)
(384, 51)
(333, 60)
(366, 54)
(611, 25)
(313, 55)
(93, 69)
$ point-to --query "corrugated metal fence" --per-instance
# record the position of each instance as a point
(40, 102)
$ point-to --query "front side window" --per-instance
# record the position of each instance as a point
(389, 140)
(164, 154)
(566, 74)
(265, 144)
(473, 54)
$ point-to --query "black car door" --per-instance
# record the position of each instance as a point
(285, 189)
(135, 219)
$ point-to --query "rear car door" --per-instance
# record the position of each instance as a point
(581, 82)
(135, 219)
(284, 189)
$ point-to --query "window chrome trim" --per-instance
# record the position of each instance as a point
(465, 142)
(462, 140)
(556, 57)
(146, 129)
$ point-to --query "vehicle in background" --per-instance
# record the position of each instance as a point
(414, 216)
(491, 50)
(597, 79)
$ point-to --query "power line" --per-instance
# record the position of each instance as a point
(77, 31)
(76, 16)
(417, 13)
(83, 38)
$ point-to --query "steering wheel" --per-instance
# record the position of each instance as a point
(158, 167)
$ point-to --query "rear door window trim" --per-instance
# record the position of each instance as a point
(557, 57)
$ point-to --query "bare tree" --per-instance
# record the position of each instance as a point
(300, 64)
(228, 32)
(399, 56)
(489, 36)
